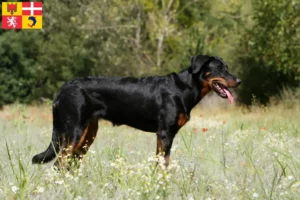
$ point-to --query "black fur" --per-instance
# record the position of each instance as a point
(159, 104)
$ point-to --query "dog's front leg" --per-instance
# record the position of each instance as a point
(164, 144)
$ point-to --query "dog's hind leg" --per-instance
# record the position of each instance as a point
(82, 145)
(77, 145)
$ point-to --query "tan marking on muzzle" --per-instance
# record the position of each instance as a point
(219, 80)
(232, 83)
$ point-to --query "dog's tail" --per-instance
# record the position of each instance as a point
(51, 152)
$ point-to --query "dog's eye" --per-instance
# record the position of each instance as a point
(207, 73)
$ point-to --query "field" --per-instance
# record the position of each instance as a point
(225, 153)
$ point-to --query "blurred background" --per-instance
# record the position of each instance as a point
(259, 39)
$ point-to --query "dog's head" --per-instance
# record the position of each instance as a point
(213, 73)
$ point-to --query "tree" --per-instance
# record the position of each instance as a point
(19, 53)
(269, 53)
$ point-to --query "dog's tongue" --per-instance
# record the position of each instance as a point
(229, 96)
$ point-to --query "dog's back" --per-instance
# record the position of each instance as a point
(122, 100)
(160, 104)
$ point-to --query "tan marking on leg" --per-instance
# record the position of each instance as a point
(167, 160)
(159, 146)
(87, 138)
(81, 141)
(160, 152)
(60, 163)
(73, 153)
(182, 119)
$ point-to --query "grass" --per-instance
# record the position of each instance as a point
(225, 153)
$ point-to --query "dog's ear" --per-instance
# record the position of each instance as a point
(220, 59)
(197, 62)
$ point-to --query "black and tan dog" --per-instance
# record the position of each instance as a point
(159, 104)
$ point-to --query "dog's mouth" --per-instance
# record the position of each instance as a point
(222, 91)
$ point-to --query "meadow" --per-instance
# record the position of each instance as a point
(229, 152)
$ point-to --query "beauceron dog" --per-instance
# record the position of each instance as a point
(158, 104)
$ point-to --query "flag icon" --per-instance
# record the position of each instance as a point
(11, 8)
(32, 8)
(32, 22)
(11, 22)
(22, 15)
(32, 15)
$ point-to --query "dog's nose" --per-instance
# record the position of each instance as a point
(238, 81)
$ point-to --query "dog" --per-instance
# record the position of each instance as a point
(158, 104)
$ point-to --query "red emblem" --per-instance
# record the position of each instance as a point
(11, 8)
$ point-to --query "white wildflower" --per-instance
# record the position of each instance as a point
(92, 152)
(297, 184)
(79, 198)
(106, 184)
(159, 176)
(14, 189)
(174, 148)
(255, 195)
(113, 164)
(40, 190)
(60, 182)
(151, 159)
(68, 175)
(190, 197)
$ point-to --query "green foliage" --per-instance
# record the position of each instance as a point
(19, 53)
(145, 37)
(269, 54)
